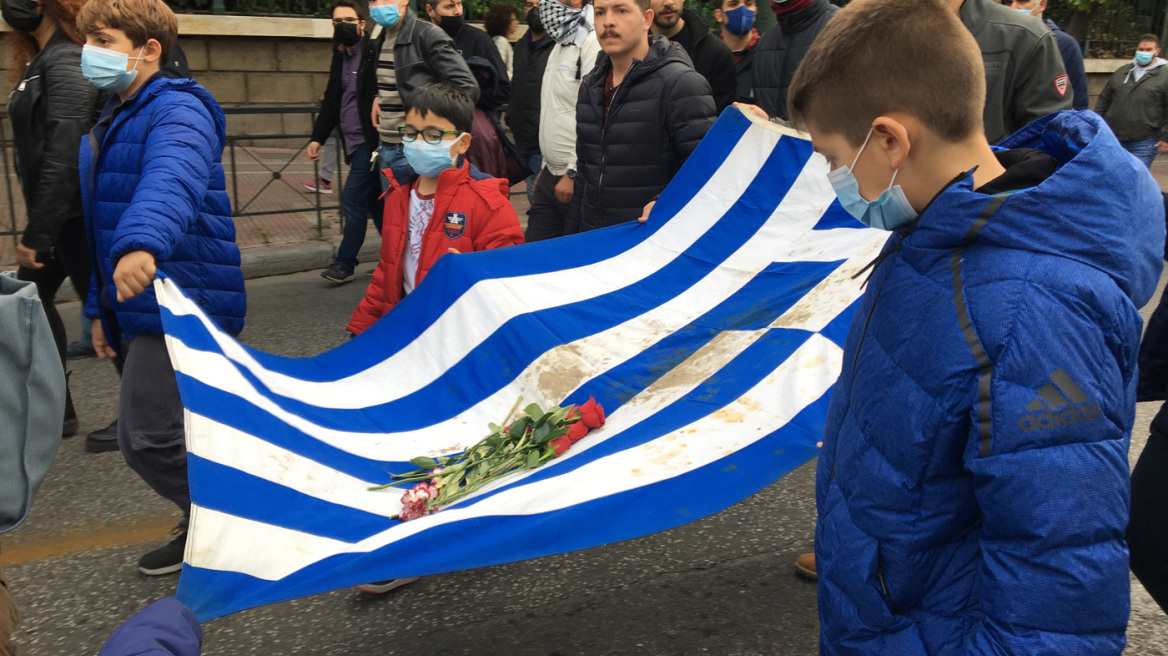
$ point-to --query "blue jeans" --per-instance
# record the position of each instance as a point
(392, 157)
(359, 199)
(1144, 150)
(535, 163)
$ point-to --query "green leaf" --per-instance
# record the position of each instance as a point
(532, 459)
(424, 462)
(519, 427)
(540, 435)
(534, 412)
(560, 415)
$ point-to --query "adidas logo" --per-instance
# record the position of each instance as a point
(1061, 403)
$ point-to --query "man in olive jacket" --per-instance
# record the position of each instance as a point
(1135, 102)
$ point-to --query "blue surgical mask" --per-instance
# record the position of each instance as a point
(740, 20)
(1024, 11)
(888, 212)
(1144, 58)
(385, 15)
(427, 159)
(106, 69)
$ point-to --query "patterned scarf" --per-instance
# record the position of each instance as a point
(566, 25)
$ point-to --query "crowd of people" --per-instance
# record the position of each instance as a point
(973, 491)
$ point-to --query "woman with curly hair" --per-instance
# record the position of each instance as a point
(501, 21)
(51, 109)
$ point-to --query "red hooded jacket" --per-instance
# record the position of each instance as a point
(481, 218)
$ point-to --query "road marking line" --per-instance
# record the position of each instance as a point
(53, 543)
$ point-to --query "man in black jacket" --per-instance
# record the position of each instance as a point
(709, 55)
(531, 56)
(641, 112)
(782, 48)
(348, 104)
(471, 42)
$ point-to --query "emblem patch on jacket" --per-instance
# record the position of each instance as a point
(1060, 402)
(455, 224)
(1060, 85)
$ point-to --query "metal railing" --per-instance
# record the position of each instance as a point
(260, 170)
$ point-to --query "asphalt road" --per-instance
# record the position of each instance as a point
(723, 585)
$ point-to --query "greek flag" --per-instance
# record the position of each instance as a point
(712, 336)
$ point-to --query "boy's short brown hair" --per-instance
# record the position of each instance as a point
(881, 56)
(141, 20)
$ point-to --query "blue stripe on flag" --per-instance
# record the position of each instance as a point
(237, 493)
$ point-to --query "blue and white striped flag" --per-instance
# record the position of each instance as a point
(712, 336)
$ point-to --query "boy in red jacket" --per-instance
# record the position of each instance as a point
(444, 210)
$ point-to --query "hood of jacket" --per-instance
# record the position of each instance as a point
(1100, 207)
(662, 51)
(160, 84)
(798, 21)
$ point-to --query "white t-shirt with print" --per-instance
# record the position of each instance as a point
(421, 209)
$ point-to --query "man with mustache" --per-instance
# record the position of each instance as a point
(642, 110)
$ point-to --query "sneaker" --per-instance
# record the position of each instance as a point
(320, 184)
(79, 349)
(382, 587)
(103, 439)
(337, 273)
(805, 566)
(164, 560)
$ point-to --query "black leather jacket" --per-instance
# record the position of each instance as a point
(423, 53)
(52, 108)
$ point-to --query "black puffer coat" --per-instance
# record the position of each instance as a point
(658, 115)
(52, 108)
(780, 50)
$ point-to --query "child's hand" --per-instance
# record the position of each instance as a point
(133, 274)
(314, 151)
(103, 350)
(454, 251)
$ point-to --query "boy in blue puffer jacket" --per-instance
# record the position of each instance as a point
(973, 486)
(155, 201)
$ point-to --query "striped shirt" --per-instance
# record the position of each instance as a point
(393, 112)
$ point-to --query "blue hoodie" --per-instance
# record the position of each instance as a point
(157, 184)
(973, 484)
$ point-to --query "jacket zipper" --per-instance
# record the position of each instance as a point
(612, 105)
(884, 586)
(852, 373)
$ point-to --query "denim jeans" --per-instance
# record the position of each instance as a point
(1144, 149)
(359, 199)
(535, 163)
(393, 157)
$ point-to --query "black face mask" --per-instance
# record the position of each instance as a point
(533, 21)
(450, 24)
(345, 34)
(21, 14)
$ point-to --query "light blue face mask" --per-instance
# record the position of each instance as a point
(1024, 11)
(1144, 58)
(888, 212)
(385, 15)
(106, 69)
(427, 159)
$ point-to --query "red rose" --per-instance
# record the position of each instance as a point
(576, 431)
(592, 413)
(560, 445)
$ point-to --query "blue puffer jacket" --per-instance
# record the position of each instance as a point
(973, 484)
(164, 628)
(157, 184)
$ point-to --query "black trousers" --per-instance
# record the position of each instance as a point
(546, 218)
(68, 260)
(1147, 534)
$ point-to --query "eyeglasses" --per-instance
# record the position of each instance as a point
(346, 21)
(429, 135)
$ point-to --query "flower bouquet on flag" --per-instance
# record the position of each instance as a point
(528, 442)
